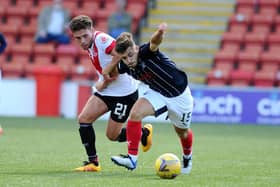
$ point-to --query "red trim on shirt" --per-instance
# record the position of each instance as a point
(110, 47)
(95, 59)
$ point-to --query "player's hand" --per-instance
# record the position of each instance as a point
(162, 27)
(100, 85)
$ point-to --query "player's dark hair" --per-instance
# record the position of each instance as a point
(124, 41)
(80, 22)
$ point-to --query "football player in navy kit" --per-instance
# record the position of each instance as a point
(168, 92)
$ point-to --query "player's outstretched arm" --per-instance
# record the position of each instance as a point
(157, 37)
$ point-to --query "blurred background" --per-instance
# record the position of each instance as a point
(229, 49)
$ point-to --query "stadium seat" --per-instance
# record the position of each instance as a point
(248, 60)
(217, 77)
(43, 53)
(246, 7)
(247, 66)
(264, 78)
(137, 10)
(268, 7)
(34, 11)
(226, 55)
(66, 63)
(24, 3)
(262, 22)
(137, 1)
(277, 23)
(238, 28)
(241, 78)
(3, 59)
(270, 57)
(240, 3)
(273, 39)
(12, 70)
(103, 14)
(269, 67)
(225, 65)
(82, 72)
(255, 38)
(87, 10)
(2, 12)
(20, 11)
(28, 30)
(66, 57)
(278, 79)
(16, 20)
(102, 26)
(9, 30)
(71, 6)
(232, 38)
(239, 19)
(21, 53)
(67, 50)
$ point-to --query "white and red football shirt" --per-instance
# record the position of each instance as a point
(100, 56)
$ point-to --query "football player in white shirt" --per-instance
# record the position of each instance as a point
(118, 96)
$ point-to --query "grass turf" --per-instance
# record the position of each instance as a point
(43, 152)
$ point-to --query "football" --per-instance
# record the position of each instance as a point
(168, 166)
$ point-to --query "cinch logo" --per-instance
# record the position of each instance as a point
(269, 107)
(220, 105)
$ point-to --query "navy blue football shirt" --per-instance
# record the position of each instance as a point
(158, 71)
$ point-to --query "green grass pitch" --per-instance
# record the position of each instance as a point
(43, 152)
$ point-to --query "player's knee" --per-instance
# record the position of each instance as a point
(111, 137)
(84, 118)
(136, 115)
(182, 133)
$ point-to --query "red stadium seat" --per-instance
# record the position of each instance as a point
(137, 10)
(71, 6)
(278, 79)
(66, 57)
(264, 78)
(21, 53)
(218, 77)
(25, 3)
(245, 3)
(29, 30)
(224, 65)
(268, 7)
(238, 28)
(245, 11)
(225, 55)
(239, 19)
(273, 39)
(262, 22)
(241, 78)
(246, 7)
(34, 11)
(248, 60)
(102, 26)
(12, 70)
(269, 67)
(255, 38)
(67, 50)
(81, 72)
(277, 23)
(103, 14)
(9, 30)
(232, 38)
(270, 57)
(87, 9)
(66, 63)
(247, 66)
(43, 53)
